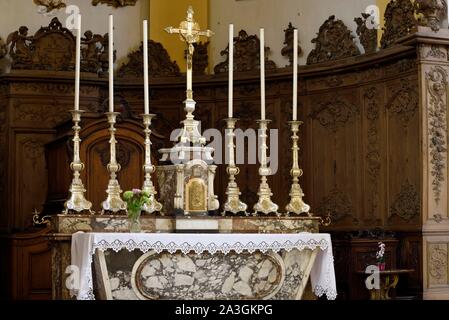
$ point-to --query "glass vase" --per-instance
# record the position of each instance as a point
(134, 221)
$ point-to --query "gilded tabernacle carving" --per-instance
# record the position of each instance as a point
(334, 41)
(115, 3)
(160, 64)
(373, 153)
(334, 113)
(336, 204)
(246, 55)
(432, 11)
(287, 51)
(406, 204)
(51, 48)
(400, 21)
(367, 36)
(436, 107)
(404, 101)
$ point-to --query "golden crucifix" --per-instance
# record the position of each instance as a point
(189, 32)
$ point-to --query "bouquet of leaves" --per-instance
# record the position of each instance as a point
(135, 199)
(380, 254)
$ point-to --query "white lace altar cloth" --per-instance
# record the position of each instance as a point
(84, 246)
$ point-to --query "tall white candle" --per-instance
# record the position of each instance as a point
(146, 84)
(262, 74)
(295, 75)
(231, 71)
(77, 62)
(111, 63)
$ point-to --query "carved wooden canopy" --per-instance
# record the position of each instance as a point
(246, 55)
(159, 63)
(334, 41)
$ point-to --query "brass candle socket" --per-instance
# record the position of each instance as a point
(233, 203)
(296, 204)
(149, 169)
(264, 205)
(113, 203)
(77, 203)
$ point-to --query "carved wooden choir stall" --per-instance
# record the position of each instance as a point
(373, 142)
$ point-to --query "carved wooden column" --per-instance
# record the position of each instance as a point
(434, 77)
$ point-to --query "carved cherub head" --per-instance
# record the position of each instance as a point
(23, 31)
(88, 34)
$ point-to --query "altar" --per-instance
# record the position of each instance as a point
(179, 241)
(149, 266)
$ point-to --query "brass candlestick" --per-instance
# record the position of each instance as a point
(265, 204)
(233, 203)
(149, 169)
(113, 202)
(296, 205)
(77, 202)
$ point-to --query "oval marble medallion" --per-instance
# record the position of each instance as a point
(206, 276)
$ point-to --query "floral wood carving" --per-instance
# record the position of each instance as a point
(438, 262)
(404, 101)
(434, 52)
(373, 157)
(337, 204)
(3, 49)
(159, 63)
(246, 55)
(400, 21)
(50, 5)
(115, 3)
(432, 11)
(436, 106)
(334, 41)
(123, 154)
(287, 51)
(406, 205)
(200, 59)
(334, 113)
(368, 36)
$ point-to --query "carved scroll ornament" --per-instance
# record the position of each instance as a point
(115, 3)
(432, 11)
(406, 204)
(334, 41)
(52, 48)
(50, 5)
(287, 51)
(368, 36)
(160, 64)
(246, 55)
(400, 21)
(200, 59)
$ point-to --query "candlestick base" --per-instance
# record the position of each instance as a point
(113, 203)
(296, 204)
(264, 205)
(149, 169)
(233, 204)
(77, 203)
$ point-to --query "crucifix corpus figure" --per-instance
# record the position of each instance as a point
(189, 32)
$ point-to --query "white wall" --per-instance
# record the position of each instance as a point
(127, 20)
(274, 16)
